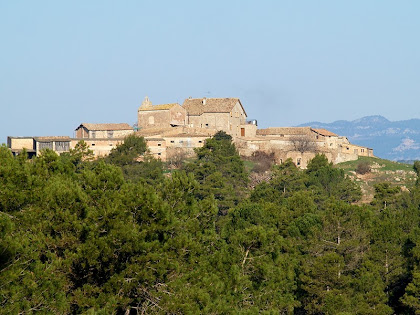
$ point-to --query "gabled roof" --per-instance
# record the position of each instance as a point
(324, 132)
(158, 107)
(181, 131)
(284, 131)
(105, 127)
(198, 106)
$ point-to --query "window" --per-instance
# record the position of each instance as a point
(362, 150)
(159, 153)
(92, 144)
(110, 134)
(62, 145)
(299, 161)
(348, 148)
(200, 141)
(151, 120)
(172, 141)
(159, 144)
(207, 125)
(45, 145)
(355, 151)
(93, 134)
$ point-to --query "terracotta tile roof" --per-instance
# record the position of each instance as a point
(190, 132)
(324, 132)
(176, 132)
(289, 131)
(52, 138)
(97, 127)
(158, 107)
(195, 106)
(147, 132)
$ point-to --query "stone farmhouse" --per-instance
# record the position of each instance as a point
(172, 130)
(101, 138)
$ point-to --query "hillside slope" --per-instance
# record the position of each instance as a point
(397, 174)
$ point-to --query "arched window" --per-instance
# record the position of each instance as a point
(151, 120)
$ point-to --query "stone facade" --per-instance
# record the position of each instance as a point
(18, 144)
(60, 144)
(57, 144)
(301, 144)
(103, 131)
(160, 116)
(225, 114)
(176, 140)
(100, 147)
(157, 147)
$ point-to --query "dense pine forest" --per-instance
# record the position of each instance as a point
(123, 235)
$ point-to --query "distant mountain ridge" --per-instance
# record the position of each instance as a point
(392, 140)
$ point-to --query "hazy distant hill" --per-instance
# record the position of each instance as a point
(393, 140)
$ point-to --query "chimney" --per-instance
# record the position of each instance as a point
(204, 101)
(146, 102)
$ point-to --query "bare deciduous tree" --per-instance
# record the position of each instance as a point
(175, 157)
(303, 144)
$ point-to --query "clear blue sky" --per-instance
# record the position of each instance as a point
(67, 62)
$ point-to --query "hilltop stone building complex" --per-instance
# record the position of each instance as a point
(172, 130)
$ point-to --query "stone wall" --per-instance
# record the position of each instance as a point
(100, 147)
(185, 142)
(102, 134)
(20, 143)
(166, 147)
(355, 149)
(109, 134)
(248, 130)
(283, 148)
(153, 118)
(82, 132)
(176, 115)
(229, 122)
(157, 148)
